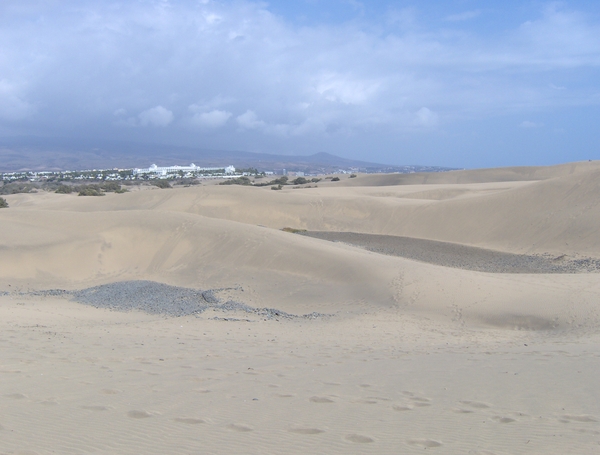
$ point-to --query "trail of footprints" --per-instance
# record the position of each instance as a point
(409, 402)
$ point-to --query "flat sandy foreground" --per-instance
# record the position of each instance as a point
(288, 343)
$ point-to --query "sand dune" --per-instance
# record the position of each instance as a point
(415, 356)
(507, 174)
(558, 215)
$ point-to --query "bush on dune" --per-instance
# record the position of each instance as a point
(162, 184)
(91, 190)
(3, 203)
(64, 189)
(17, 187)
(238, 181)
(110, 187)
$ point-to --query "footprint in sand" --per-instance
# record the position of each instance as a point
(240, 428)
(578, 418)
(379, 398)
(189, 420)
(503, 419)
(583, 430)
(111, 391)
(425, 443)
(366, 401)
(17, 396)
(359, 438)
(476, 404)
(306, 430)
(402, 408)
(135, 414)
(96, 408)
(321, 400)
(462, 411)
(421, 402)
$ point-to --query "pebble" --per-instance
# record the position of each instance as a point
(461, 256)
(159, 298)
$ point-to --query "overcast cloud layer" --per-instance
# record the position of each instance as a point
(391, 82)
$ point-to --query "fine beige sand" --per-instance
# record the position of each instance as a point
(405, 356)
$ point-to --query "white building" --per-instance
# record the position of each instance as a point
(154, 169)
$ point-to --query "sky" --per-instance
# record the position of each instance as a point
(460, 83)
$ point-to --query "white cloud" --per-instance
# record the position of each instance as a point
(213, 103)
(212, 18)
(12, 107)
(156, 116)
(212, 119)
(249, 120)
(426, 117)
(345, 89)
(462, 16)
(213, 64)
(529, 124)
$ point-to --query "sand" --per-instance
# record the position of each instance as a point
(401, 356)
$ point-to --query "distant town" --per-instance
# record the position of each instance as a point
(174, 172)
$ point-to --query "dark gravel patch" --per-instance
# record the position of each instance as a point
(460, 256)
(162, 299)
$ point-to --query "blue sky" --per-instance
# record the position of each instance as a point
(460, 83)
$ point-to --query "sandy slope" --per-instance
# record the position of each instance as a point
(416, 356)
(558, 215)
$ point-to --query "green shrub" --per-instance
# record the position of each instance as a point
(90, 191)
(299, 181)
(293, 230)
(335, 179)
(187, 182)
(16, 187)
(280, 181)
(239, 181)
(315, 180)
(163, 184)
(110, 187)
(278, 187)
(64, 189)
(3, 203)
(352, 176)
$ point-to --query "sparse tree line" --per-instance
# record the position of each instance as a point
(87, 189)
(91, 190)
(275, 184)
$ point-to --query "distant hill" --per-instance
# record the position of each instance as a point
(20, 154)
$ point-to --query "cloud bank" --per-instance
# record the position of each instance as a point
(238, 75)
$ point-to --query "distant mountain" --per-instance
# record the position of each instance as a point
(18, 154)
